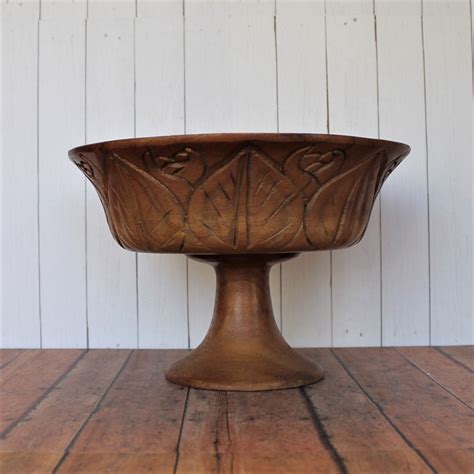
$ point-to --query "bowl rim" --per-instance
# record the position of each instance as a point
(235, 137)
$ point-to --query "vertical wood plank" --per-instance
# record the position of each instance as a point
(306, 292)
(111, 9)
(352, 85)
(1, 178)
(404, 208)
(58, 10)
(448, 70)
(61, 189)
(20, 265)
(162, 287)
(111, 271)
(227, 93)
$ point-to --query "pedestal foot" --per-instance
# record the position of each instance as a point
(243, 349)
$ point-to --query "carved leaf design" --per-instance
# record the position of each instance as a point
(311, 168)
(178, 172)
(245, 203)
(147, 214)
(339, 211)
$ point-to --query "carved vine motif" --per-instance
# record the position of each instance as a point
(246, 201)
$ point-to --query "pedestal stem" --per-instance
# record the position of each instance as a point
(243, 349)
(243, 308)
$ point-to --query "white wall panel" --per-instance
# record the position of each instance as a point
(448, 68)
(302, 107)
(111, 9)
(61, 188)
(20, 305)
(111, 271)
(95, 70)
(404, 225)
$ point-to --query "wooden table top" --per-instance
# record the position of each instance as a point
(377, 410)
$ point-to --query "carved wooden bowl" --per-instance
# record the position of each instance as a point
(241, 202)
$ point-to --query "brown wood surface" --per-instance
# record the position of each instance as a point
(377, 411)
(455, 378)
(238, 193)
(22, 390)
(251, 432)
(38, 441)
(18, 364)
(7, 355)
(244, 349)
(463, 355)
(136, 427)
(434, 422)
(361, 435)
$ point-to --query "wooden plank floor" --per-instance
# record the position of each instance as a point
(378, 410)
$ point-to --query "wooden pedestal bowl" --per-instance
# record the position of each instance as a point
(241, 203)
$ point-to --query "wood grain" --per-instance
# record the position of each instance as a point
(251, 432)
(434, 422)
(19, 363)
(454, 378)
(113, 411)
(462, 354)
(136, 427)
(38, 441)
(8, 355)
(363, 437)
(28, 383)
(243, 349)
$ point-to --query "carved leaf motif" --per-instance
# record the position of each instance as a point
(178, 172)
(245, 203)
(311, 169)
(339, 211)
(147, 215)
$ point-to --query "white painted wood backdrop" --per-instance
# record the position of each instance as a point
(76, 72)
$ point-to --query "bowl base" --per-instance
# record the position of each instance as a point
(244, 349)
(247, 369)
